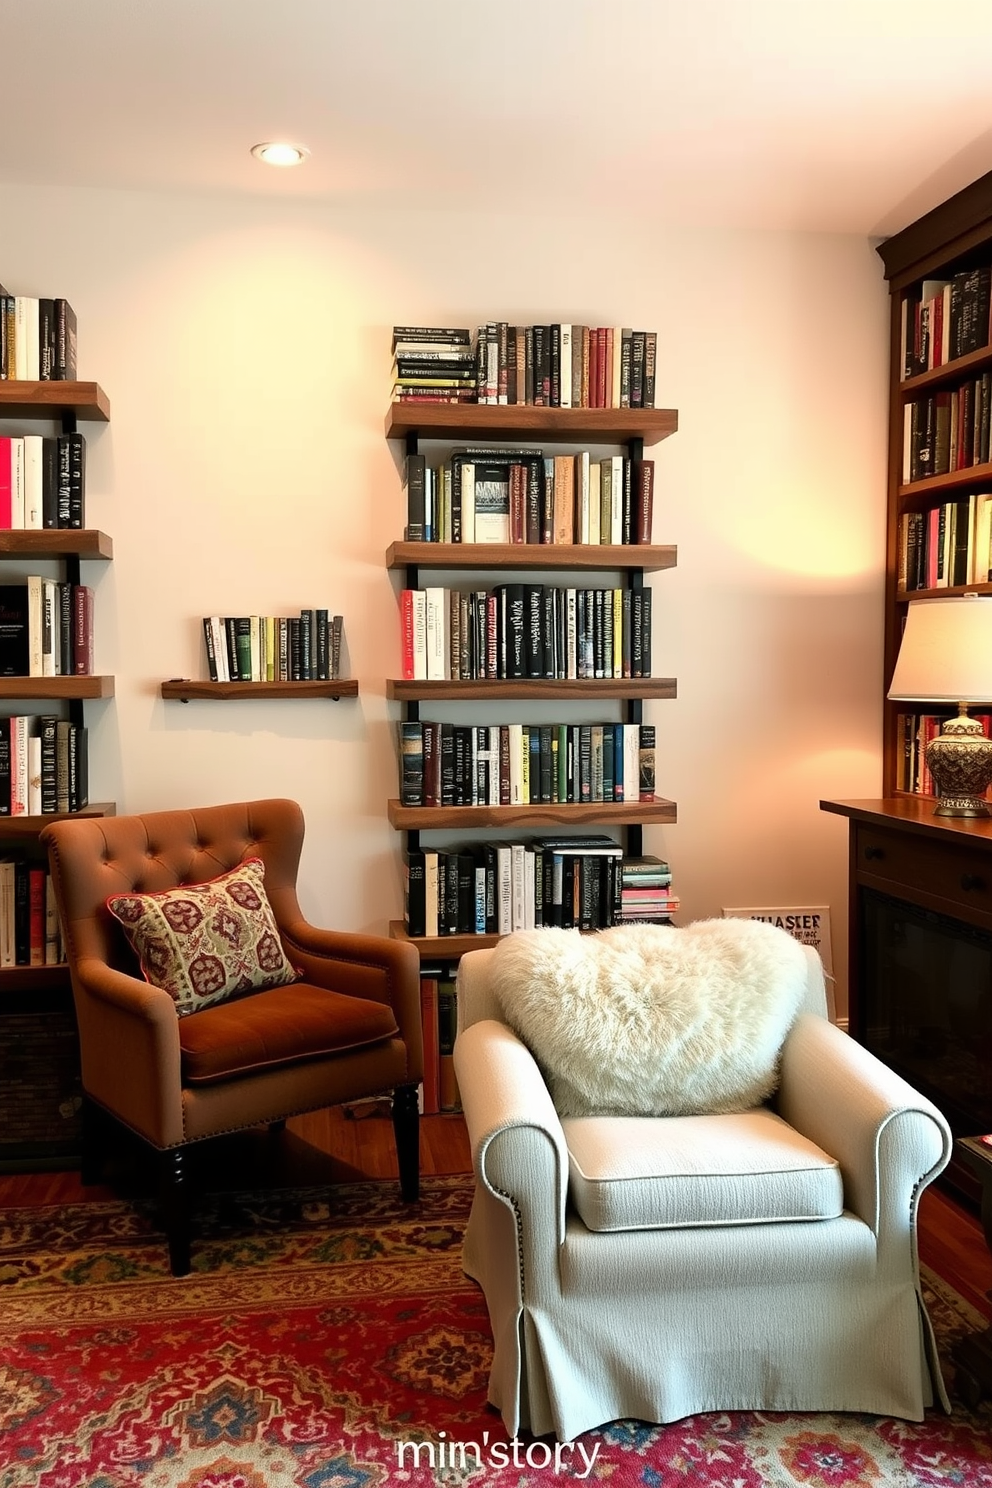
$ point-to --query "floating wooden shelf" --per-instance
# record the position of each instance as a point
(533, 817)
(56, 542)
(651, 557)
(16, 980)
(584, 688)
(56, 687)
(184, 689)
(30, 826)
(523, 421)
(442, 947)
(79, 400)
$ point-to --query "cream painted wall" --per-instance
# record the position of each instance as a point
(244, 346)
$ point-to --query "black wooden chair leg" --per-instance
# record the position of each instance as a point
(93, 1125)
(406, 1126)
(175, 1200)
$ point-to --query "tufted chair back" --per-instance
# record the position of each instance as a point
(107, 855)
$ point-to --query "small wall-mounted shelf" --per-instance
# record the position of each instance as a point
(183, 689)
(584, 688)
(78, 400)
(527, 421)
(651, 557)
(534, 814)
(56, 542)
(56, 687)
(30, 826)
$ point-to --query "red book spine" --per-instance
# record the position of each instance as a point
(601, 367)
(406, 633)
(593, 367)
(518, 504)
(645, 501)
(82, 630)
(36, 916)
(5, 483)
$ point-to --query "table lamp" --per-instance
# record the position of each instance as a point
(945, 656)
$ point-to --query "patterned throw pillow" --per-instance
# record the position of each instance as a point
(205, 942)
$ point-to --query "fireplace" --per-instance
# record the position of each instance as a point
(926, 1004)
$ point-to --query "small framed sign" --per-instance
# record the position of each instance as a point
(811, 926)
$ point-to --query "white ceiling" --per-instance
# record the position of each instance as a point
(827, 115)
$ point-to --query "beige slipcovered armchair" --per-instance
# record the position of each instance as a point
(655, 1267)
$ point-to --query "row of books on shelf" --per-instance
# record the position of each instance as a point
(42, 481)
(948, 545)
(46, 628)
(274, 648)
(439, 1015)
(29, 923)
(37, 338)
(947, 431)
(915, 731)
(521, 495)
(520, 764)
(43, 765)
(494, 888)
(945, 319)
(525, 631)
(558, 365)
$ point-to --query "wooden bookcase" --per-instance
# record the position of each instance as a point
(39, 1057)
(953, 238)
(488, 424)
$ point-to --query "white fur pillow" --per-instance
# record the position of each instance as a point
(653, 1020)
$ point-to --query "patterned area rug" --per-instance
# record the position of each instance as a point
(331, 1341)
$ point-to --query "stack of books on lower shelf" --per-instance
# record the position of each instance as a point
(567, 882)
(43, 765)
(274, 648)
(646, 892)
(29, 922)
(438, 1007)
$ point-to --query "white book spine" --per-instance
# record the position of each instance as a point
(595, 500)
(517, 856)
(36, 620)
(582, 496)
(631, 761)
(255, 648)
(220, 648)
(19, 725)
(617, 345)
(530, 888)
(616, 499)
(17, 497)
(516, 735)
(504, 889)
(468, 502)
(33, 445)
(437, 628)
(50, 629)
(34, 775)
(419, 635)
(565, 365)
(431, 892)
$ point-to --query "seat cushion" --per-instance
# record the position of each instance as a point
(284, 1025)
(680, 1172)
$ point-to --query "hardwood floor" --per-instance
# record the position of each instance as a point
(328, 1147)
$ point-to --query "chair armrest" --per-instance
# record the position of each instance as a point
(129, 1043)
(890, 1141)
(518, 1145)
(370, 966)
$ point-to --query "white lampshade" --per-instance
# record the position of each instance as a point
(946, 651)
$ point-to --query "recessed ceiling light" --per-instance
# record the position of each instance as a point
(275, 152)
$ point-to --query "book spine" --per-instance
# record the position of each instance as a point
(644, 477)
(82, 630)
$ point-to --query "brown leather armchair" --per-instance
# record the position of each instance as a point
(349, 1028)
